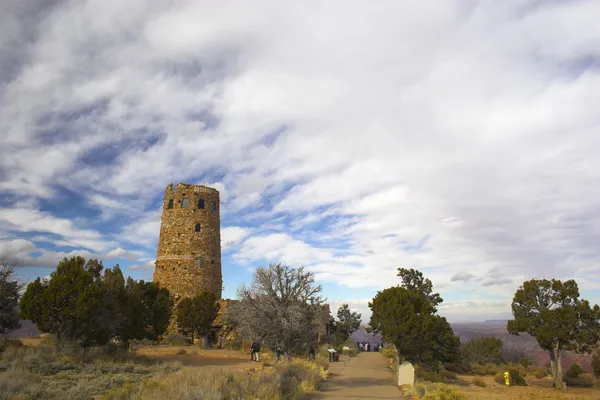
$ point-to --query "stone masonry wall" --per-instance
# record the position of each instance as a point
(187, 260)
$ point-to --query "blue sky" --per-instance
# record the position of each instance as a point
(458, 137)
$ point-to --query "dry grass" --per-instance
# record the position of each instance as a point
(284, 381)
(538, 389)
(44, 373)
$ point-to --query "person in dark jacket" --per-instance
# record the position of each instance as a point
(254, 350)
(311, 352)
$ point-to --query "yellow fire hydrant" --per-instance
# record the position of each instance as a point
(507, 378)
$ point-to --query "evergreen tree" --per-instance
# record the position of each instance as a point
(83, 303)
(347, 323)
(196, 315)
(67, 304)
(406, 316)
(553, 313)
(482, 350)
(9, 299)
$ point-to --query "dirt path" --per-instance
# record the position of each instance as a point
(365, 376)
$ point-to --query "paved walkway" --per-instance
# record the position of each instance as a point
(366, 376)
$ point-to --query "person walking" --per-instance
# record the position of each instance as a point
(252, 350)
(256, 346)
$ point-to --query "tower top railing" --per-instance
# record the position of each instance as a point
(195, 188)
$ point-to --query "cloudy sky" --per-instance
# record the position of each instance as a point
(461, 138)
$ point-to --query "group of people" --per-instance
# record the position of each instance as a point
(209, 342)
(255, 351)
(366, 346)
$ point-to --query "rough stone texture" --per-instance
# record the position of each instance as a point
(187, 261)
(324, 329)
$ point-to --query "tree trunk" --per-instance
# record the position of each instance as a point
(559, 375)
(553, 366)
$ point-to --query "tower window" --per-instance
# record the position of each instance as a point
(201, 203)
(202, 263)
(197, 228)
(185, 203)
(214, 205)
(170, 203)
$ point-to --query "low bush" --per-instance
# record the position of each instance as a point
(175, 339)
(434, 391)
(181, 352)
(389, 352)
(516, 379)
(538, 372)
(478, 369)
(144, 342)
(419, 372)
(458, 368)
(434, 377)
(6, 342)
(522, 370)
(525, 362)
(48, 339)
(581, 380)
(448, 374)
(574, 371)
(478, 382)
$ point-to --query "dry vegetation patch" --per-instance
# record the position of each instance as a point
(44, 373)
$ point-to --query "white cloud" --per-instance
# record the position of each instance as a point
(232, 235)
(147, 266)
(20, 251)
(23, 220)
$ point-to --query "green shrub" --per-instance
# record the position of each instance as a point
(478, 382)
(389, 352)
(574, 371)
(522, 370)
(434, 377)
(419, 372)
(538, 372)
(596, 362)
(48, 339)
(448, 374)
(6, 342)
(459, 368)
(516, 379)
(525, 362)
(444, 392)
(478, 369)
(581, 380)
(175, 339)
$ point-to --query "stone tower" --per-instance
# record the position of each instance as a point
(188, 259)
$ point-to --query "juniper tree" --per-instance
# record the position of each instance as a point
(9, 298)
(552, 312)
(406, 316)
(346, 324)
(196, 315)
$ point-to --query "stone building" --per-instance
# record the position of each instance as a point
(188, 259)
